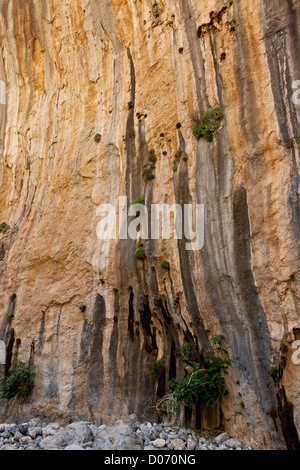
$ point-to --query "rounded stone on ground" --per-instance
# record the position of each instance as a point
(23, 429)
(159, 443)
(177, 444)
(25, 440)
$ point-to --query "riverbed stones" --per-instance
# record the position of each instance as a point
(128, 435)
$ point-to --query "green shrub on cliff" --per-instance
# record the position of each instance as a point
(165, 265)
(139, 200)
(4, 228)
(208, 124)
(140, 251)
(19, 382)
(148, 174)
(204, 381)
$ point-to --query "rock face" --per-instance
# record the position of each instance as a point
(87, 88)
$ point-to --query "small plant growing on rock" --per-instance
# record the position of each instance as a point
(165, 265)
(242, 405)
(12, 297)
(179, 155)
(19, 382)
(139, 200)
(148, 174)
(184, 157)
(4, 228)
(130, 105)
(82, 308)
(2, 252)
(140, 251)
(207, 125)
(185, 352)
(148, 171)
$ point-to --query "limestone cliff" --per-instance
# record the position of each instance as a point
(88, 87)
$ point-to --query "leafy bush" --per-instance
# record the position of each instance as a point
(19, 382)
(184, 156)
(148, 174)
(140, 251)
(204, 382)
(186, 352)
(208, 124)
(180, 154)
(165, 265)
(4, 228)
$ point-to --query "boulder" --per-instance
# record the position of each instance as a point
(23, 429)
(221, 438)
(75, 433)
(118, 437)
(25, 440)
(51, 429)
(8, 447)
(191, 443)
(177, 444)
(54, 442)
(232, 443)
(79, 432)
(17, 436)
(159, 443)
